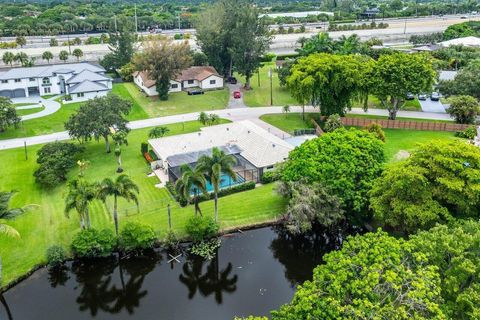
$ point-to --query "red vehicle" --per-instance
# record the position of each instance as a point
(237, 94)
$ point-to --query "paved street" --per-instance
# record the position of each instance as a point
(432, 106)
(230, 114)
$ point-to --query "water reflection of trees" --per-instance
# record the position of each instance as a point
(109, 285)
(6, 307)
(212, 281)
(300, 254)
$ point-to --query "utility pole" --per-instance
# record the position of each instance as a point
(178, 17)
(405, 27)
(69, 48)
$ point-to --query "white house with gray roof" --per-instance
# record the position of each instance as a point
(81, 81)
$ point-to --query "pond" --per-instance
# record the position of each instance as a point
(253, 272)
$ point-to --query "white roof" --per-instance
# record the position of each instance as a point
(49, 70)
(259, 147)
(465, 41)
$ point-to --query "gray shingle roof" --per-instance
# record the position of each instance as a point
(48, 71)
(87, 86)
(87, 75)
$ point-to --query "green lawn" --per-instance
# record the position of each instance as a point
(177, 103)
(24, 112)
(22, 104)
(396, 139)
(260, 96)
(47, 225)
(374, 103)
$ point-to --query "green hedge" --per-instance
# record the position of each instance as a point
(137, 237)
(91, 243)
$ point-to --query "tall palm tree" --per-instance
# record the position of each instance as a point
(121, 187)
(191, 180)
(80, 194)
(214, 167)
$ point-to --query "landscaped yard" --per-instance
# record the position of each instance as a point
(374, 103)
(47, 225)
(396, 139)
(260, 96)
(24, 112)
(177, 103)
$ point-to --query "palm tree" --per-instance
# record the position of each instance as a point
(214, 167)
(8, 58)
(191, 180)
(80, 194)
(158, 132)
(77, 53)
(47, 55)
(121, 187)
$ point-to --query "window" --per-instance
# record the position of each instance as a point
(18, 80)
(213, 81)
(46, 90)
(80, 95)
(4, 81)
(31, 79)
(46, 80)
(174, 86)
(190, 81)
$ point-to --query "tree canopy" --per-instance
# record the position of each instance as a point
(8, 114)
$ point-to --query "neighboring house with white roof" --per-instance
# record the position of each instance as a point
(82, 81)
(465, 41)
(203, 77)
(254, 148)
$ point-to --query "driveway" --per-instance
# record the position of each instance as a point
(51, 106)
(235, 103)
(432, 106)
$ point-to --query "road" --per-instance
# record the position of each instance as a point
(230, 114)
(398, 31)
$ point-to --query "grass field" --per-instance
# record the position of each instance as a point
(260, 96)
(396, 139)
(177, 103)
(47, 225)
(374, 103)
(24, 112)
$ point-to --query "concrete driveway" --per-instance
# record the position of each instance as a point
(235, 103)
(432, 106)
(51, 106)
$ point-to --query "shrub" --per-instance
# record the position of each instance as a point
(137, 237)
(144, 147)
(201, 227)
(376, 129)
(464, 109)
(206, 249)
(171, 240)
(56, 255)
(92, 243)
(469, 133)
(269, 176)
(333, 123)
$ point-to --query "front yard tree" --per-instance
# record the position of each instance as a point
(464, 109)
(77, 53)
(8, 114)
(47, 55)
(121, 187)
(96, 118)
(63, 55)
(328, 81)
(396, 75)
(214, 167)
(251, 40)
(163, 60)
(80, 195)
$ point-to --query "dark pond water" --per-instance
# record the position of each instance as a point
(253, 273)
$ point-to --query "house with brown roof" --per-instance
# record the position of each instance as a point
(203, 77)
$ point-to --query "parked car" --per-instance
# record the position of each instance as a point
(422, 96)
(232, 80)
(410, 96)
(195, 92)
(237, 94)
(435, 96)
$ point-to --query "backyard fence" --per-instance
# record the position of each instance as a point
(403, 124)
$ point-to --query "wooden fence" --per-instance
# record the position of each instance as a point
(403, 124)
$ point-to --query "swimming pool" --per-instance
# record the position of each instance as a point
(225, 182)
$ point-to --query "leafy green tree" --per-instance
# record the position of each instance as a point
(199, 59)
(251, 39)
(396, 75)
(333, 123)
(8, 114)
(191, 181)
(372, 277)
(55, 159)
(21, 41)
(203, 118)
(126, 72)
(121, 44)
(47, 55)
(376, 129)
(8, 58)
(97, 116)
(464, 109)
(122, 187)
(158, 132)
(63, 55)
(53, 42)
(79, 196)
(347, 161)
(215, 167)
(77, 53)
(310, 203)
(163, 60)
(321, 79)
